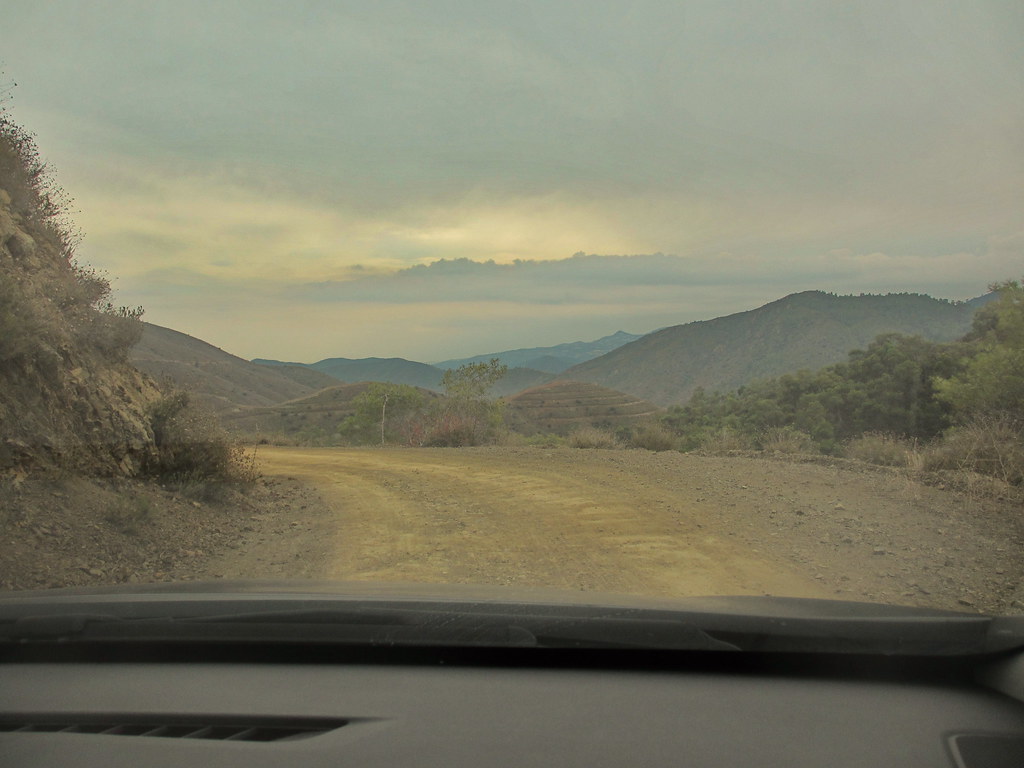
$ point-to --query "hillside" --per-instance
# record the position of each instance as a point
(802, 331)
(554, 359)
(560, 407)
(517, 379)
(394, 370)
(323, 410)
(219, 379)
(68, 395)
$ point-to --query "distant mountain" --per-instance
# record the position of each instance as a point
(220, 379)
(394, 370)
(559, 407)
(550, 359)
(802, 331)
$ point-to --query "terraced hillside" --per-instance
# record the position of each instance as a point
(559, 407)
(316, 418)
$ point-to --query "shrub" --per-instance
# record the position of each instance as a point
(786, 440)
(453, 430)
(988, 445)
(724, 440)
(128, 514)
(592, 437)
(884, 449)
(191, 446)
(113, 331)
(653, 437)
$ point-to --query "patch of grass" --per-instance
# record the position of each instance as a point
(786, 440)
(884, 449)
(724, 441)
(129, 514)
(546, 440)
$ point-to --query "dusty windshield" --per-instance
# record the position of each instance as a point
(664, 299)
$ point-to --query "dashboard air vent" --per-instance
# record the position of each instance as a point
(218, 728)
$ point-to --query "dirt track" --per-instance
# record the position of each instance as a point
(631, 521)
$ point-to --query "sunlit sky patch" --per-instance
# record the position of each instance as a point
(304, 180)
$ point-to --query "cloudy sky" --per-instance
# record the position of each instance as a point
(440, 179)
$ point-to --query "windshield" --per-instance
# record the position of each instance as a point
(656, 299)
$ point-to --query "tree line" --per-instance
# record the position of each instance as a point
(900, 385)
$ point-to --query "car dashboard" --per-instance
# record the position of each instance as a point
(255, 704)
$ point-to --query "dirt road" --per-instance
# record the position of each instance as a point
(664, 524)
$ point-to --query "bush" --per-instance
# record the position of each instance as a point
(653, 437)
(112, 331)
(191, 447)
(128, 514)
(453, 430)
(884, 449)
(786, 440)
(988, 445)
(724, 440)
(592, 437)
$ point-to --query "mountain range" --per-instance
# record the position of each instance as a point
(806, 330)
(553, 359)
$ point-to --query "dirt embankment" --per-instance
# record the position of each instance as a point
(631, 521)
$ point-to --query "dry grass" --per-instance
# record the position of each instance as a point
(654, 437)
(725, 441)
(786, 440)
(886, 450)
(992, 446)
(591, 437)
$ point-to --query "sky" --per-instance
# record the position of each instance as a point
(440, 179)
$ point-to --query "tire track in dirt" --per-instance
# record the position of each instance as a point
(454, 516)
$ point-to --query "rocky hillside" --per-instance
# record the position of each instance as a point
(68, 395)
(803, 331)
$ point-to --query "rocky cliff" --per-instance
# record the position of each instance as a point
(68, 395)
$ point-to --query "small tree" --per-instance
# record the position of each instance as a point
(472, 380)
(466, 417)
(382, 399)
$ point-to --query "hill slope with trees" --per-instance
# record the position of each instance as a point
(802, 331)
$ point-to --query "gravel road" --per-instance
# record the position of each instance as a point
(631, 521)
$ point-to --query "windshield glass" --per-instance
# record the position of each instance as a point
(662, 299)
